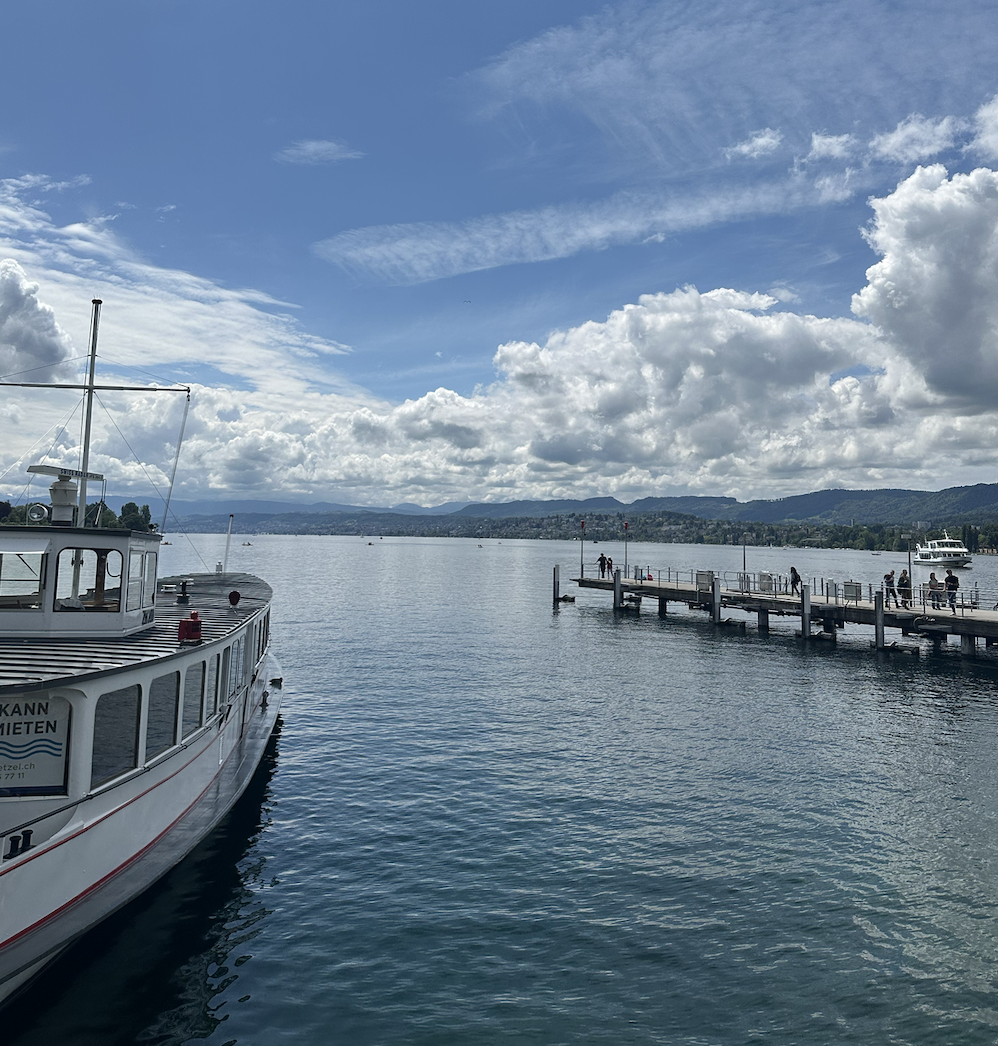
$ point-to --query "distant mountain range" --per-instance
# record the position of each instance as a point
(889, 506)
(239, 508)
(973, 504)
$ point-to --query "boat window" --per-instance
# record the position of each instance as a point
(223, 679)
(149, 588)
(161, 727)
(88, 579)
(134, 599)
(116, 734)
(235, 679)
(193, 689)
(21, 576)
(211, 690)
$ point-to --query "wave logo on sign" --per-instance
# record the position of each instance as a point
(30, 749)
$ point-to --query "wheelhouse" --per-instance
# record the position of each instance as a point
(76, 582)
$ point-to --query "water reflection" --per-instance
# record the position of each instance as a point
(153, 972)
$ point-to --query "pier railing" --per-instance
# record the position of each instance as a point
(823, 590)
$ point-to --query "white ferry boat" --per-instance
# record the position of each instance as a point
(943, 552)
(133, 713)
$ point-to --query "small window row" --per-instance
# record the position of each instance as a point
(169, 720)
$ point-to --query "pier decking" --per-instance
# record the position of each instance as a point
(831, 607)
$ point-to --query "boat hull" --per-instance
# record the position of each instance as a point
(92, 868)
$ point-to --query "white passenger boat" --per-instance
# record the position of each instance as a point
(133, 713)
(943, 552)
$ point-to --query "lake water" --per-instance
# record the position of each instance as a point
(486, 821)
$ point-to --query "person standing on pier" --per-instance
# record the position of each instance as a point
(890, 592)
(794, 581)
(602, 564)
(904, 589)
(952, 583)
(609, 566)
(935, 588)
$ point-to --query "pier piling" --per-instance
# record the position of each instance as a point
(878, 620)
(557, 584)
(805, 611)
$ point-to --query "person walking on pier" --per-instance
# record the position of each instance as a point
(602, 565)
(952, 584)
(794, 581)
(935, 588)
(890, 592)
(904, 589)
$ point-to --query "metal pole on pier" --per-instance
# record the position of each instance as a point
(582, 549)
(625, 547)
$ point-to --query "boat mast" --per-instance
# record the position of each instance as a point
(228, 538)
(94, 322)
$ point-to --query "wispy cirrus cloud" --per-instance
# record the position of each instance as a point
(917, 138)
(663, 87)
(761, 143)
(831, 147)
(422, 251)
(313, 151)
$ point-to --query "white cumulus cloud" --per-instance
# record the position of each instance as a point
(986, 125)
(722, 391)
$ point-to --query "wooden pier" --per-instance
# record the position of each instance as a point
(829, 610)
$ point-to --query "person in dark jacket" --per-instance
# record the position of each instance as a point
(890, 592)
(952, 583)
(904, 589)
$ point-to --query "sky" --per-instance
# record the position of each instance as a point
(481, 252)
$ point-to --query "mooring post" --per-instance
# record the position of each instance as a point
(968, 646)
(763, 620)
(878, 619)
(805, 611)
(715, 600)
(557, 583)
(663, 606)
(617, 594)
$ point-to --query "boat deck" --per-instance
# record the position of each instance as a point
(34, 664)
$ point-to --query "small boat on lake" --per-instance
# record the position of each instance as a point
(943, 552)
(134, 711)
